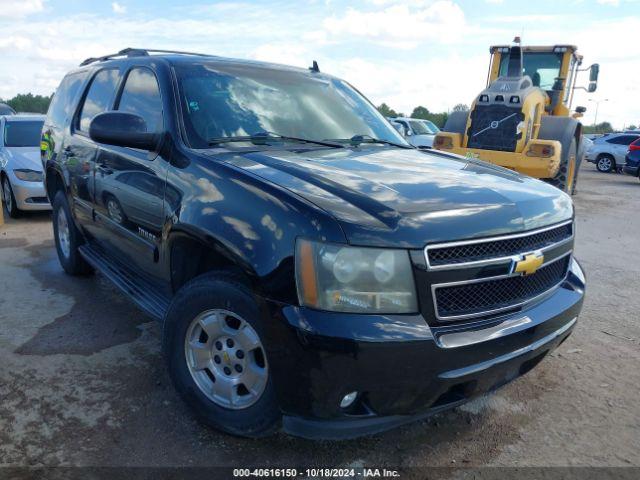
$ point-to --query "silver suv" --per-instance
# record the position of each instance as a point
(608, 152)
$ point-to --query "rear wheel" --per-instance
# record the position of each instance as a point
(68, 238)
(212, 341)
(9, 198)
(567, 173)
(605, 163)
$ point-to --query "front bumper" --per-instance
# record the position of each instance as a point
(403, 369)
(29, 195)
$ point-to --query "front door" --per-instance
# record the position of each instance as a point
(130, 183)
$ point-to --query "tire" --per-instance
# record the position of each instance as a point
(456, 122)
(9, 198)
(568, 171)
(219, 301)
(114, 209)
(68, 238)
(605, 163)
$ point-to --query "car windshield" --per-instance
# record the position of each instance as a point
(421, 128)
(542, 67)
(231, 100)
(22, 134)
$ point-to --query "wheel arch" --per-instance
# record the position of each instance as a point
(192, 253)
(53, 182)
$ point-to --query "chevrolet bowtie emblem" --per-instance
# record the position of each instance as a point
(529, 264)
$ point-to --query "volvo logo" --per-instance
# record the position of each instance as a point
(495, 124)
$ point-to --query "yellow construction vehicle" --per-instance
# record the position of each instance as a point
(522, 120)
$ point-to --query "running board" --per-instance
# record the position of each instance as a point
(141, 291)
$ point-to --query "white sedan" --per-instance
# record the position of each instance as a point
(20, 165)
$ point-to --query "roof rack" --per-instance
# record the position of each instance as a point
(136, 52)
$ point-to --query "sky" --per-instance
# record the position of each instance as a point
(406, 53)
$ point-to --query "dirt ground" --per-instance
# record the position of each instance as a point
(82, 381)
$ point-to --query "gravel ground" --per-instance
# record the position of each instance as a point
(82, 380)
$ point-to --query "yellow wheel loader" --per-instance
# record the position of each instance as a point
(522, 120)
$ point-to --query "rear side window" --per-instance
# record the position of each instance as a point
(141, 96)
(99, 97)
(623, 139)
(62, 103)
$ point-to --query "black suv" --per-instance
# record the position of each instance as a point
(311, 270)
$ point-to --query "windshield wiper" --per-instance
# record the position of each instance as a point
(359, 139)
(263, 138)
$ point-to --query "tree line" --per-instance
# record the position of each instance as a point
(29, 103)
(423, 113)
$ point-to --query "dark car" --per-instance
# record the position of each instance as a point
(311, 270)
(632, 160)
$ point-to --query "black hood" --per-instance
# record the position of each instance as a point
(391, 196)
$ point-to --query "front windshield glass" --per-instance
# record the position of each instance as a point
(542, 67)
(22, 134)
(233, 100)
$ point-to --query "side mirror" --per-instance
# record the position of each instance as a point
(594, 71)
(123, 130)
(581, 110)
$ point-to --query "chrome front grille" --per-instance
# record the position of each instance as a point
(496, 249)
(479, 278)
(497, 294)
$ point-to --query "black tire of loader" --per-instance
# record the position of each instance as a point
(561, 180)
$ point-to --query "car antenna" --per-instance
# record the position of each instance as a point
(314, 67)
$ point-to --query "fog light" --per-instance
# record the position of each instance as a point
(348, 399)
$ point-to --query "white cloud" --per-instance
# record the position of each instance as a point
(20, 8)
(442, 20)
(425, 52)
(118, 8)
(615, 3)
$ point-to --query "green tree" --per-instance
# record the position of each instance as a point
(461, 107)
(421, 112)
(632, 127)
(602, 127)
(28, 102)
(386, 110)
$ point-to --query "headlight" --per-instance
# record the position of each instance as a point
(353, 279)
(28, 175)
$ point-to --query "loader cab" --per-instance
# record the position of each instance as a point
(553, 69)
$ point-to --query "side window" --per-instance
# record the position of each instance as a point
(623, 139)
(99, 96)
(63, 101)
(141, 96)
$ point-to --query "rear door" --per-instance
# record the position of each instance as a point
(130, 183)
(620, 146)
(79, 151)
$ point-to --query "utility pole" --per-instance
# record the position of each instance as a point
(597, 102)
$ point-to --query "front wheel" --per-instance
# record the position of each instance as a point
(212, 341)
(9, 199)
(567, 173)
(605, 164)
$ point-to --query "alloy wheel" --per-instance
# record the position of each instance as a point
(63, 233)
(604, 164)
(226, 359)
